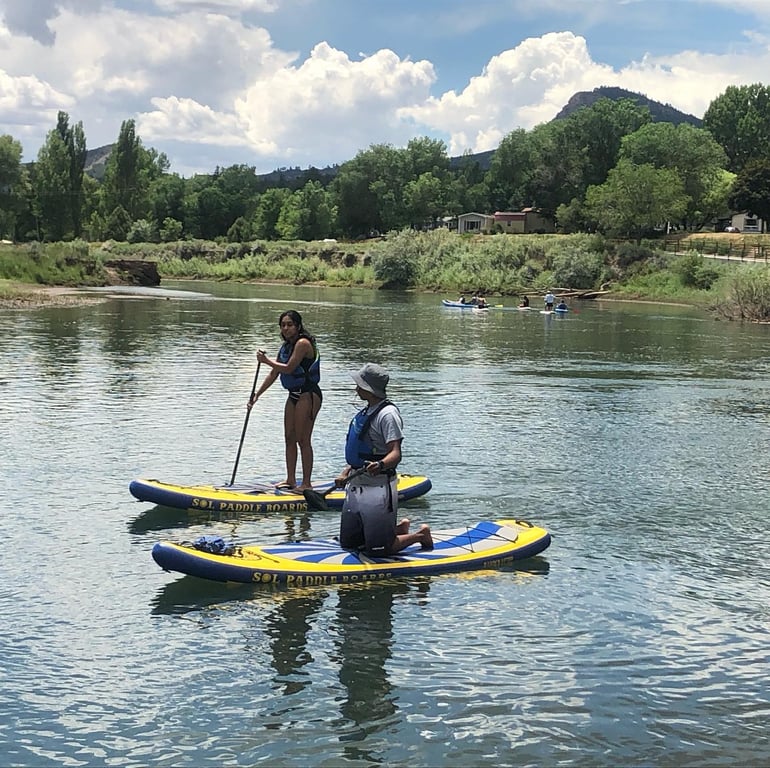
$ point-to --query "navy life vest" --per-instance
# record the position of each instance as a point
(306, 373)
(357, 448)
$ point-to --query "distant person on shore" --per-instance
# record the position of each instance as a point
(549, 301)
(298, 363)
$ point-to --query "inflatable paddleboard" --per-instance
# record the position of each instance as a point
(322, 561)
(254, 497)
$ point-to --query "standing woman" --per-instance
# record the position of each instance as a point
(298, 363)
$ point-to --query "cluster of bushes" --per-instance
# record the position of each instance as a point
(73, 263)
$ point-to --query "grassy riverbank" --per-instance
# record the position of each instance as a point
(442, 262)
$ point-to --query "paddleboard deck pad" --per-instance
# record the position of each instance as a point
(482, 545)
(254, 497)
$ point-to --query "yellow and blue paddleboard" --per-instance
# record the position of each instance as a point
(254, 497)
(322, 561)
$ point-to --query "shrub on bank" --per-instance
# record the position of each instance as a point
(71, 263)
(747, 295)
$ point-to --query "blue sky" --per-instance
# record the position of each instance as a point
(276, 83)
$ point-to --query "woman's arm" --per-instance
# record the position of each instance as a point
(267, 382)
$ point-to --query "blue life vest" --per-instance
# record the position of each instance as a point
(306, 373)
(357, 448)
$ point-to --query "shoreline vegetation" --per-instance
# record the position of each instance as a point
(692, 269)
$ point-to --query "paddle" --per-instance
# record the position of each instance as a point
(317, 500)
(245, 424)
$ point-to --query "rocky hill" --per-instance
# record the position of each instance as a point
(96, 159)
(661, 113)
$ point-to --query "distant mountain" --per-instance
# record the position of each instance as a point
(96, 159)
(293, 177)
(661, 113)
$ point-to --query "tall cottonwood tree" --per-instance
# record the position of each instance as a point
(58, 181)
(75, 141)
(11, 185)
(739, 119)
(50, 179)
(129, 173)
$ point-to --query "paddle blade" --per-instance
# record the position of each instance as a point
(315, 500)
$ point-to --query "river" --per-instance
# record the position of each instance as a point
(636, 434)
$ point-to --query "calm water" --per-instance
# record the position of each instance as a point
(638, 435)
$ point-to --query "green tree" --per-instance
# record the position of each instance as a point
(572, 154)
(130, 171)
(265, 220)
(425, 155)
(240, 231)
(75, 141)
(117, 224)
(142, 231)
(51, 181)
(397, 262)
(695, 156)
(240, 187)
(636, 199)
(597, 133)
(11, 186)
(166, 198)
(739, 120)
(369, 188)
(558, 168)
(510, 172)
(467, 188)
(213, 214)
(170, 230)
(424, 198)
(751, 190)
(307, 214)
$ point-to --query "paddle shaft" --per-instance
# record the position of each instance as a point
(245, 424)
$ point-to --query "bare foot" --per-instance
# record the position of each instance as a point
(304, 487)
(403, 527)
(427, 539)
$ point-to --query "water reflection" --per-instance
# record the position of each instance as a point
(160, 518)
(189, 595)
(287, 627)
(364, 643)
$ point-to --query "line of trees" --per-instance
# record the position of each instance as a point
(605, 168)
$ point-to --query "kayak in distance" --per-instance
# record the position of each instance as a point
(256, 496)
(482, 545)
(468, 305)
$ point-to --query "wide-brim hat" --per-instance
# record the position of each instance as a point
(373, 378)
